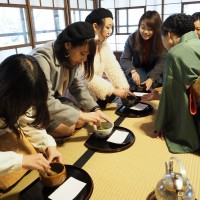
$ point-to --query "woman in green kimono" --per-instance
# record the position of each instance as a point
(174, 120)
(196, 16)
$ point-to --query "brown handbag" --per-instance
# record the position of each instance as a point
(11, 142)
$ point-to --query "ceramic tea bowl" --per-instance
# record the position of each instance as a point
(130, 100)
(104, 130)
(55, 176)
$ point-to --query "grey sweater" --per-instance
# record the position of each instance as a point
(54, 72)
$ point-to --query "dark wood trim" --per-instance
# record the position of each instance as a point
(96, 4)
(67, 12)
(127, 26)
(30, 24)
(185, 3)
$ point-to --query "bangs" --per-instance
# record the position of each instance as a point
(150, 23)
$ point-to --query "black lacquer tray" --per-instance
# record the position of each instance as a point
(125, 111)
(36, 191)
(98, 144)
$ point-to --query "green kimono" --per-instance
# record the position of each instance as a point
(182, 68)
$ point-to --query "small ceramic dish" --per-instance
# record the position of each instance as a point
(104, 130)
(55, 177)
(130, 100)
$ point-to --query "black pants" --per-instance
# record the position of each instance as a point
(103, 103)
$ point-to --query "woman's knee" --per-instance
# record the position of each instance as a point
(79, 124)
(63, 130)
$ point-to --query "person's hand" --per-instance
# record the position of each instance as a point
(148, 83)
(53, 155)
(94, 117)
(103, 116)
(135, 77)
(154, 95)
(89, 117)
(35, 162)
(122, 93)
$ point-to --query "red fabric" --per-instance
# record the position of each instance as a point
(146, 53)
(192, 102)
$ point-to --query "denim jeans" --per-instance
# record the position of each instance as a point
(144, 77)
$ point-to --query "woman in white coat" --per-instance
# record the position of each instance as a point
(109, 80)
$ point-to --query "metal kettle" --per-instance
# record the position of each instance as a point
(174, 186)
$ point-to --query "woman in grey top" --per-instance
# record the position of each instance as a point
(144, 54)
(60, 59)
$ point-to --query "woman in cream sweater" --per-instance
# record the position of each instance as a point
(109, 79)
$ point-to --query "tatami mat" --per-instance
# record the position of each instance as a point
(132, 174)
(127, 175)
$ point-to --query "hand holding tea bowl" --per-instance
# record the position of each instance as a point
(130, 100)
(55, 176)
(103, 130)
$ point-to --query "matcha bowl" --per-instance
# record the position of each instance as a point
(104, 130)
(130, 100)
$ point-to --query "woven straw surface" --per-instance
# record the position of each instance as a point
(127, 175)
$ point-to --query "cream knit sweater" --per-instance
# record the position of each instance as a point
(108, 74)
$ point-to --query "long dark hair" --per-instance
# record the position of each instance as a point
(178, 24)
(60, 52)
(22, 86)
(153, 21)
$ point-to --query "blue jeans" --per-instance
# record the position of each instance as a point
(144, 77)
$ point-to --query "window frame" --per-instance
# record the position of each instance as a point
(28, 27)
(186, 3)
(67, 14)
(34, 33)
(79, 10)
(117, 18)
(30, 21)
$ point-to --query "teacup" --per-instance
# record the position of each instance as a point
(104, 130)
(56, 175)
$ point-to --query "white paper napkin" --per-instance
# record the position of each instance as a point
(140, 94)
(118, 137)
(68, 190)
(139, 106)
